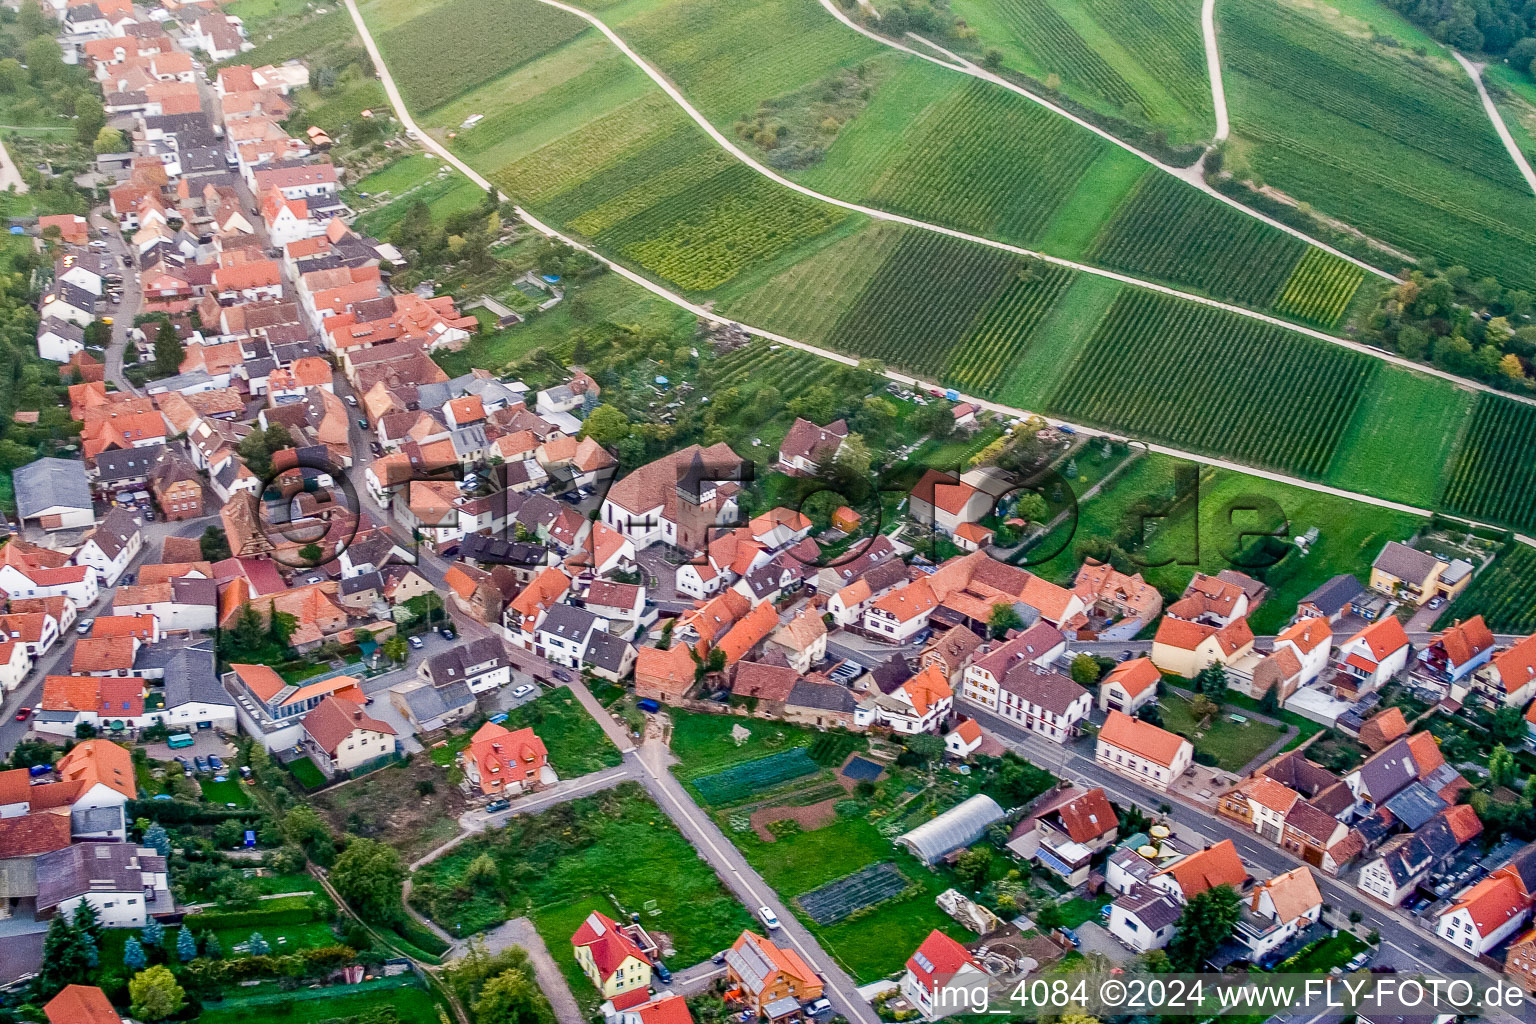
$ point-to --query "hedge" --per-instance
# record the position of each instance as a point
(303, 911)
(185, 812)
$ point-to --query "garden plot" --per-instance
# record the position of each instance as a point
(756, 776)
(843, 898)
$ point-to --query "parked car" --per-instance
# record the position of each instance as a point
(39, 769)
(648, 705)
(769, 918)
(819, 1007)
(352, 400)
(497, 805)
(718, 958)
(376, 448)
(83, 627)
(215, 762)
(562, 675)
(526, 690)
(97, 243)
(362, 424)
(663, 973)
(246, 776)
(22, 714)
(416, 643)
(186, 765)
(1358, 961)
(447, 633)
(202, 766)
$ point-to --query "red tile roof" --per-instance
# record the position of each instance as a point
(608, 946)
(1141, 738)
(1210, 867)
(1134, 676)
(80, 1004)
(938, 960)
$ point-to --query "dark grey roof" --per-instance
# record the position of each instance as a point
(127, 463)
(50, 483)
(1334, 596)
(75, 296)
(63, 328)
(198, 159)
(1389, 772)
(606, 651)
(537, 510)
(1050, 690)
(1152, 907)
(821, 696)
(1524, 864)
(764, 580)
(86, 867)
(116, 529)
(891, 673)
(477, 547)
(87, 820)
(457, 663)
(362, 584)
(569, 622)
(1415, 805)
(194, 591)
(190, 678)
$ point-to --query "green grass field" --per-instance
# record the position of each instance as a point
(314, 1006)
(1232, 744)
(227, 792)
(1402, 433)
(1060, 339)
(577, 744)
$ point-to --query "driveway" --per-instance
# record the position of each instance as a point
(1096, 939)
(520, 932)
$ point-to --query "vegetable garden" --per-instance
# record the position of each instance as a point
(1492, 476)
(449, 49)
(987, 161)
(751, 777)
(1320, 288)
(1005, 329)
(1199, 377)
(1170, 231)
(846, 896)
(1504, 594)
(922, 301)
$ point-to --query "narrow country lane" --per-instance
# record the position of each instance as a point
(1521, 163)
(1213, 69)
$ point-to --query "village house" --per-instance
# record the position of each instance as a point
(1415, 576)
(1213, 600)
(125, 884)
(941, 502)
(1461, 648)
(618, 967)
(808, 448)
(1142, 751)
(112, 546)
(921, 704)
(1509, 678)
(1129, 686)
(676, 499)
(1063, 831)
(939, 963)
(1370, 658)
(501, 761)
(1116, 605)
(953, 652)
(1277, 910)
(1184, 647)
(768, 974)
(346, 736)
(1406, 861)
(1520, 961)
(1494, 908)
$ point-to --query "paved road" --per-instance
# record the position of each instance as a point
(398, 103)
(1515, 153)
(1412, 945)
(10, 177)
(123, 313)
(1213, 68)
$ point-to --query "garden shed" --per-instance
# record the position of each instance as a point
(959, 826)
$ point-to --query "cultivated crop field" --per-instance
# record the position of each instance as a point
(1394, 144)
(1169, 231)
(451, 48)
(1319, 290)
(1006, 329)
(1504, 594)
(1139, 60)
(987, 161)
(1162, 369)
(915, 310)
(841, 899)
(807, 300)
(762, 364)
(1493, 474)
(728, 56)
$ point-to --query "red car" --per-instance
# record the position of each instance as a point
(23, 714)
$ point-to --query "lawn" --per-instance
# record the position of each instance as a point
(577, 744)
(1334, 951)
(307, 773)
(313, 1006)
(228, 792)
(704, 746)
(1402, 433)
(1232, 744)
(556, 866)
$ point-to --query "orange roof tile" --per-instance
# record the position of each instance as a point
(1141, 738)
